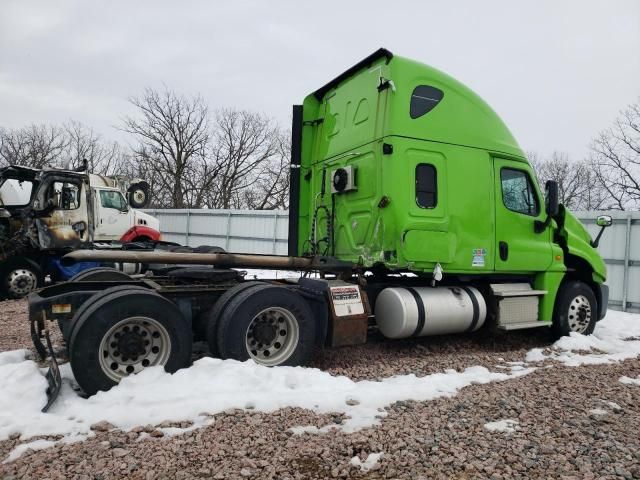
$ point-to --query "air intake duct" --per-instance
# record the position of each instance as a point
(403, 312)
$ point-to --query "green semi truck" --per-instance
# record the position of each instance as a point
(412, 203)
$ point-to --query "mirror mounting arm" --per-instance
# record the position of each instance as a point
(595, 242)
(603, 222)
(539, 227)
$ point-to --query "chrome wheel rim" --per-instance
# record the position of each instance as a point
(133, 344)
(139, 196)
(272, 336)
(579, 315)
(21, 281)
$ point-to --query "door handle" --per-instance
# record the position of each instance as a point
(503, 248)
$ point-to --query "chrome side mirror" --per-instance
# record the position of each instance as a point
(604, 221)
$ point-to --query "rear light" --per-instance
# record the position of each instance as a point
(58, 308)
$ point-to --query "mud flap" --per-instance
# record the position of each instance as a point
(36, 338)
(54, 379)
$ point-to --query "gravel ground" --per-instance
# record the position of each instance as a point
(566, 427)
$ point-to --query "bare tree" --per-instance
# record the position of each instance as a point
(271, 189)
(83, 143)
(173, 135)
(578, 187)
(615, 159)
(33, 146)
(246, 146)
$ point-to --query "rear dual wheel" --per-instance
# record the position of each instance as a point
(122, 331)
(269, 324)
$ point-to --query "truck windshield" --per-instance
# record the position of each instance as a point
(112, 199)
(14, 192)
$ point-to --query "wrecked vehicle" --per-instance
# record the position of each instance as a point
(45, 213)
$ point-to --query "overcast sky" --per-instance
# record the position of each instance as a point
(556, 71)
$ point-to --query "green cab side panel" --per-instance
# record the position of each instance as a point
(381, 222)
(578, 243)
(461, 117)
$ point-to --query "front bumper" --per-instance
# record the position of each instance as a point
(603, 300)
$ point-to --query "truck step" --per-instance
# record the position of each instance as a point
(517, 305)
(518, 326)
(515, 290)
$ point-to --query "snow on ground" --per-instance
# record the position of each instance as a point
(370, 462)
(630, 381)
(35, 445)
(212, 385)
(598, 411)
(507, 425)
(257, 273)
(616, 338)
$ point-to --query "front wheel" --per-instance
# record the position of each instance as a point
(20, 277)
(576, 309)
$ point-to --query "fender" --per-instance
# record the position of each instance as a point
(140, 231)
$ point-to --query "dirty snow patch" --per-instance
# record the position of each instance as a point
(535, 355)
(629, 381)
(615, 338)
(507, 425)
(370, 462)
(23, 447)
(598, 411)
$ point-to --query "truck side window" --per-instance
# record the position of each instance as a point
(518, 193)
(65, 196)
(112, 199)
(424, 99)
(426, 186)
(15, 192)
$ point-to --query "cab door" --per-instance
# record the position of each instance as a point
(518, 205)
(65, 223)
(113, 216)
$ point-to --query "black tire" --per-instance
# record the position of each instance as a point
(206, 325)
(240, 313)
(19, 277)
(181, 249)
(139, 195)
(67, 328)
(576, 309)
(209, 249)
(106, 314)
(100, 274)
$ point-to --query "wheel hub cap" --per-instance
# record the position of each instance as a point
(272, 336)
(579, 314)
(133, 344)
(21, 281)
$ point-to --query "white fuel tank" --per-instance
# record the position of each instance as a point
(403, 312)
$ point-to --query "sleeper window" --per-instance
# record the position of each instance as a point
(424, 99)
(426, 186)
(518, 193)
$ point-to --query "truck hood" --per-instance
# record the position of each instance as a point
(578, 243)
(142, 218)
